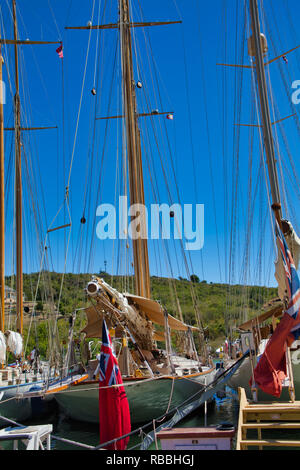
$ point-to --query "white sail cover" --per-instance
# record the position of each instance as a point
(2, 347)
(14, 342)
(293, 242)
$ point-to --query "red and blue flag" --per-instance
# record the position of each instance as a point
(292, 284)
(114, 414)
(271, 368)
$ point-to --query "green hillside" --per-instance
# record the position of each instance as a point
(219, 305)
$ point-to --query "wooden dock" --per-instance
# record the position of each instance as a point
(264, 417)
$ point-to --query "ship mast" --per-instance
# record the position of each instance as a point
(18, 176)
(18, 183)
(2, 198)
(134, 154)
(256, 43)
(133, 142)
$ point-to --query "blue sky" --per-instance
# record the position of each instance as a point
(179, 73)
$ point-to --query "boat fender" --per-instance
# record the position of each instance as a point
(225, 427)
(35, 388)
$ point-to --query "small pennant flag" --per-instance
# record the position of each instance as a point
(285, 59)
(170, 116)
(59, 51)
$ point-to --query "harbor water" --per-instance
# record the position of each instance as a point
(220, 411)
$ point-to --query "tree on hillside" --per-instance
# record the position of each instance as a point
(194, 278)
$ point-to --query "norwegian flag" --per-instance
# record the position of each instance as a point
(271, 370)
(59, 51)
(114, 415)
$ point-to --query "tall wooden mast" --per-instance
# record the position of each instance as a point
(134, 154)
(2, 198)
(256, 40)
(18, 183)
(18, 177)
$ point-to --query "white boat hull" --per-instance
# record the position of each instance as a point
(148, 399)
(20, 401)
(17, 409)
(242, 377)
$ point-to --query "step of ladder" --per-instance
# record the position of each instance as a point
(279, 425)
(288, 413)
(262, 417)
(244, 444)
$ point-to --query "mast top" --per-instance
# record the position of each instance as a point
(258, 47)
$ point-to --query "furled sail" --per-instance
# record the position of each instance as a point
(155, 313)
(293, 242)
(93, 328)
(274, 309)
(14, 342)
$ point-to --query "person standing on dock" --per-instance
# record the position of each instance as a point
(32, 357)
